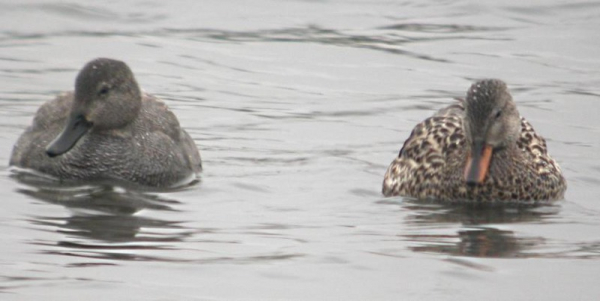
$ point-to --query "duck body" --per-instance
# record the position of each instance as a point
(469, 152)
(107, 129)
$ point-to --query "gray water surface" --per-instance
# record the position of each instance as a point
(298, 107)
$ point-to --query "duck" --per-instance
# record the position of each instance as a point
(108, 129)
(477, 150)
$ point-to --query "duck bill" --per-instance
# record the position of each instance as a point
(478, 163)
(76, 127)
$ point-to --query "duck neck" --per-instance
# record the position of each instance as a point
(505, 160)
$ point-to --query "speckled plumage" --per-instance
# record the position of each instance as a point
(133, 136)
(431, 164)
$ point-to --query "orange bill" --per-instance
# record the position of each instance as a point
(478, 163)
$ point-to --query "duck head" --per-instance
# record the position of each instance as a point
(491, 124)
(106, 97)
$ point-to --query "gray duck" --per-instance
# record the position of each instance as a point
(476, 150)
(107, 129)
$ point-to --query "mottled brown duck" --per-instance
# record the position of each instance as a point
(476, 150)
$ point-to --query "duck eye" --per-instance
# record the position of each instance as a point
(498, 114)
(103, 91)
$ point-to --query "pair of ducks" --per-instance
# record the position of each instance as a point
(478, 149)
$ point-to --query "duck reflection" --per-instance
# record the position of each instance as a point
(477, 235)
(103, 216)
(482, 242)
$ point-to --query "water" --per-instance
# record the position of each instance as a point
(298, 107)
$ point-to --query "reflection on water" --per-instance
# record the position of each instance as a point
(103, 218)
(109, 222)
(431, 213)
(476, 236)
(482, 242)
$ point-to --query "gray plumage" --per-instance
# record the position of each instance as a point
(108, 129)
(433, 161)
